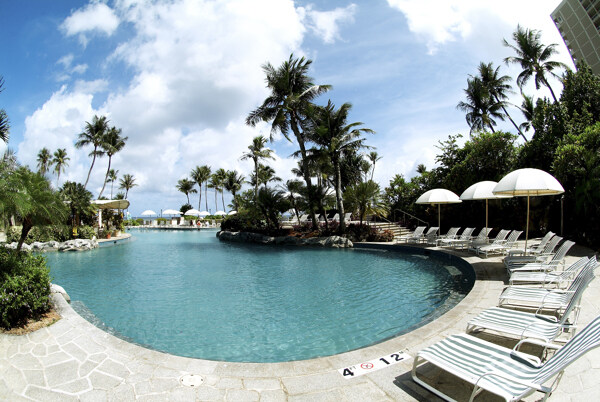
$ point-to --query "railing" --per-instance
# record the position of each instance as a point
(410, 215)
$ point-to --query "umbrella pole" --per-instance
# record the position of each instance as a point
(527, 225)
(486, 214)
(439, 220)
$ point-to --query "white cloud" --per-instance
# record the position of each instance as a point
(96, 17)
(325, 24)
(438, 22)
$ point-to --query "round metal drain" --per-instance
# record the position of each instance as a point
(191, 380)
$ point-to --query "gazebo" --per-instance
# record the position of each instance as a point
(109, 204)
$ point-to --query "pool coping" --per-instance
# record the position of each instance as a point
(73, 359)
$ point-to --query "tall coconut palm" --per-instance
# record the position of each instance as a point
(4, 123)
(126, 183)
(373, 158)
(534, 58)
(481, 108)
(292, 90)
(112, 143)
(112, 178)
(233, 183)
(257, 152)
(200, 175)
(498, 86)
(60, 161)
(203, 177)
(186, 186)
(44, 159)
(93, 135)
(266, 175)
(335, 137)
(218, 180)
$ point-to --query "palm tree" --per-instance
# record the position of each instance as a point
(534, 58)
(266, 174)
(498, 87)
(233, 183)
(218, 180)
(112, 143)
(4, 123)
(93, 134)
(127, 183)
(365, 198)
(60, 161)
(112, 178)
(527, 108)
(373, 157)
(292, 90)
(186, 186)
(257, 152)
(44, 160)
(292, 191)
(336, 137)
(480, 107)
(79, 201)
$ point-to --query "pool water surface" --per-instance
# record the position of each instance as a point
(188, 294)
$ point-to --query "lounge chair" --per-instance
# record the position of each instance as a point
(523, 324)
(451, 234)
(464, 238)
(502, 246)
(508, 373)
(551, 265)
(336, 218)
(556, 278)
(543, 255)
(499, 239)
(414, 236)
(431, 235)
(547, 299)
(534, 249)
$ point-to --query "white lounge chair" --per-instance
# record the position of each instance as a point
(431, 235)
(543, 255)
(551, 265)
(547, 299)
(414, 236)
(451, 234)
(508, 373)
(522, 324)
(501, 247)
(534, 249)
(555, 278)
(500, 237)
(463, 239)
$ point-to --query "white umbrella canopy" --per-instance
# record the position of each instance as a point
(148, 212)
(204, 213)
(192, 212)
(526, 183)
(232, 213)
(483, 190)
(171, 212)
(438, 196)
(220, 213)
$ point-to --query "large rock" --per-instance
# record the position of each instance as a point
(69, 245)
(248, 237)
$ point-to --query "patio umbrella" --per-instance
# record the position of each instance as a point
(438, 196)
(192, 212)
(482, 190)
(171, 212)
(148, 212)
(527, 183)
(204, 213)
(220, 213)
(232, 213)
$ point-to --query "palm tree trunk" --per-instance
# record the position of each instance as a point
(199, 196)
(27, 225)
(105, 177)
(206, 194)
(223, 199)
(91, 167)
(256, 179)
(306, 173)
(338, 195)
(550, 88)
(511, 120)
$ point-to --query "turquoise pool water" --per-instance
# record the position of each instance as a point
(187, 293)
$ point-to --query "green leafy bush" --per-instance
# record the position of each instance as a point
(24, 287)
(40, 234)
(85, 232)
(244, 222)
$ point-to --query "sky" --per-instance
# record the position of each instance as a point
(179, 78)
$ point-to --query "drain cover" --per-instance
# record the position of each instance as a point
(191, 380)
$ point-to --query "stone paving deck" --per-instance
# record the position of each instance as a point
(74, 360)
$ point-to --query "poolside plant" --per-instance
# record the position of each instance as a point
(24, 287)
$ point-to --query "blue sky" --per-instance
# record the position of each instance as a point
(179, 77)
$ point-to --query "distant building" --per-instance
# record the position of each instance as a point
(578, 22)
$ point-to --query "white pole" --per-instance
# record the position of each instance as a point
(527, 225)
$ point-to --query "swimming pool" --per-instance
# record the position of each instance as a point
(186, 293)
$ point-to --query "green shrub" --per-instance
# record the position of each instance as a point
(24, 287)
(244, 222)
(40, 234)
(85, 232)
